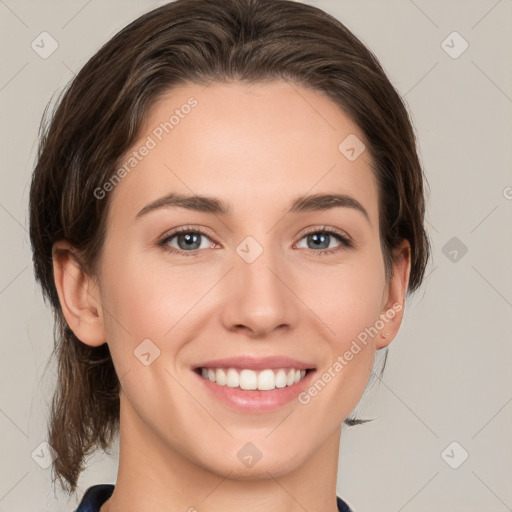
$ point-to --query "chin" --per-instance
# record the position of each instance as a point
(275, 462)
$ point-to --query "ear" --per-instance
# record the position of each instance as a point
(394, 295)
(78, 295)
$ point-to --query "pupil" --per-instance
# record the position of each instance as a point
(319, 239)
(190, 239)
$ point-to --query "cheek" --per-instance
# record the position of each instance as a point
(350, 308)
(133, 309)
(347, 298)
(349, 303)
(145, 296)
(145, 309)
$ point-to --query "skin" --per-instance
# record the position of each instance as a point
(256, 147)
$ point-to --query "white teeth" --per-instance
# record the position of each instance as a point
(280, 379)
(232, 380)
(250, 380)
(220, 377)
(266, 380)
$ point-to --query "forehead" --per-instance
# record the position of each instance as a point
(246, 143)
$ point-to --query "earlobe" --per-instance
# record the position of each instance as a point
(78, 295)
(394, 302)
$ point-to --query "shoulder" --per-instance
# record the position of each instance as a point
(95, 497)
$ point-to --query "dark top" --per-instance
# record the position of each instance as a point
(97, 495)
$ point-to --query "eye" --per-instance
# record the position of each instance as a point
(186, 240)
(320, 240)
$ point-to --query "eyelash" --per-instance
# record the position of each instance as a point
(345, 241)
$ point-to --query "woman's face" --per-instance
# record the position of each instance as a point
(254, 272)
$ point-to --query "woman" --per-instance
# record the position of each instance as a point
(226, 215)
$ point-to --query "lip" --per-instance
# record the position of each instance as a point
(255, 401)
(256, 363)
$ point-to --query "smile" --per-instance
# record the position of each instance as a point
(246, 379)
(250, 384)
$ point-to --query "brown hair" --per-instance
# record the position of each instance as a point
(100, 114)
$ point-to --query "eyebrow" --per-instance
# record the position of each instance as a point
(305, 203)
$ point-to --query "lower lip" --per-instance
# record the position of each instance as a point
(256, 400)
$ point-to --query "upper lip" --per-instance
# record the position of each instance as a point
(256, 363)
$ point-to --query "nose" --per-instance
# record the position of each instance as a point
(259, 297)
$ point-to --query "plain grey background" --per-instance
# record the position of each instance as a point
(446, 393)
